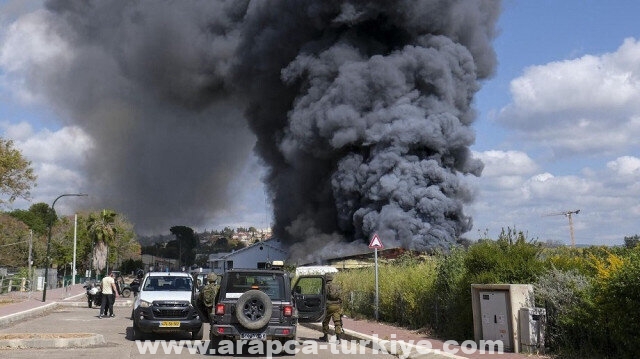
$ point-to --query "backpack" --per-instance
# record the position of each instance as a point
(209, 293)
(333, 291)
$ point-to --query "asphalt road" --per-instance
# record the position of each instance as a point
(117, 334)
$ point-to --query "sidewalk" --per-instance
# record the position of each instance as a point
(32, 305)
(390, 338)
(26, 306)
(395, 340)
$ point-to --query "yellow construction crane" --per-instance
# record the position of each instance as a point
(568, 214)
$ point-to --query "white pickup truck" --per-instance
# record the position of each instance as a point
(164, 305)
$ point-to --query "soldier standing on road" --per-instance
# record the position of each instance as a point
(109, 291)
(207, 297)
(334, 309)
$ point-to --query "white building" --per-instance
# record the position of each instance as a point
(253, 256)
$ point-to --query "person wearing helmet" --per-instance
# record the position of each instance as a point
(334, 309)
(207, 297)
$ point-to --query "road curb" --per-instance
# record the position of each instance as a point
(8, 319)
(126, 303)
(87, 339)
(391, 347)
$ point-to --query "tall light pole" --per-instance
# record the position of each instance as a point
(75, 240)
(48, 260)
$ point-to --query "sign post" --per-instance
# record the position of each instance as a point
(375, 244)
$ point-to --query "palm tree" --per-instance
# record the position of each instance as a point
(102, 232)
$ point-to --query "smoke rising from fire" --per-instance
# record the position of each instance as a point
(361, 111)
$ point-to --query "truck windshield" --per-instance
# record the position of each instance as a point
(167, 283)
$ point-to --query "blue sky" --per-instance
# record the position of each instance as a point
(558, 126)
(560, 49)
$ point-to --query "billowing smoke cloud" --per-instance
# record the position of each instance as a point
(361, 110)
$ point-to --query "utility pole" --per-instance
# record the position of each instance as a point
(568, 214)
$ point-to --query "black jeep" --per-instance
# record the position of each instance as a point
(259, 304)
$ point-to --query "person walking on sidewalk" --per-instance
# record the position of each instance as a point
(109, 291)
(334, 309)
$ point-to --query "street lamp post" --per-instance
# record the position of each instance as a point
(46, 269)
(75, 240)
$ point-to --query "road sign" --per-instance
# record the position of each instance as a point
(375, 242)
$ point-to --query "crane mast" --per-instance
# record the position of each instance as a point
(568, 214)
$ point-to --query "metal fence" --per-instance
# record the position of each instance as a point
(16, 287)
(359, 304)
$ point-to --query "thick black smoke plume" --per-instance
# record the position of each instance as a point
(362, 110)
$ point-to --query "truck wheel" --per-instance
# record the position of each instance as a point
(137, 333)
(253, 309)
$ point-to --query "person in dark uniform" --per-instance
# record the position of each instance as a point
(334, 309)
(207, 297)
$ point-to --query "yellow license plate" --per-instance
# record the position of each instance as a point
(169, 324)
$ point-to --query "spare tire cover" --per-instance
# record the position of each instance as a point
(253, 309)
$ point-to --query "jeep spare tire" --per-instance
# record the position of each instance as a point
(253, 309)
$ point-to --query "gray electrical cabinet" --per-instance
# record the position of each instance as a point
(496, 313)
(495, 318)
(532, 327)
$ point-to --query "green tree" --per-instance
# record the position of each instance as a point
(37, 217)
(186, 241)
(16, 174)
(14, 242)
(131, 265)
(102, 232)
(228, 232)
(632, 242)
(126, 245)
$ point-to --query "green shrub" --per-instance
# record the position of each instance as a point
(562, 294)
(592, 295)
(406, 290)
(448, 316)
(618, 299)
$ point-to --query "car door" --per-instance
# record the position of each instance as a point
(309, 297)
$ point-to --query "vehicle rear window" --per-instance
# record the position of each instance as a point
(272, 284)
(167, 283)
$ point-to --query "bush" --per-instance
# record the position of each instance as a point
(592, 295)
(405, 289)
(563, 294)
(449, 319)
(406, 292)
(619, 301)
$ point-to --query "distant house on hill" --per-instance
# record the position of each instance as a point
(253, 256)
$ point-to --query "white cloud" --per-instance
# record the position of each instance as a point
(28, 48)
(521, 197)
(18, 131)
(501, 163)
(56, 157)
(585, 105)
(625, 166)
